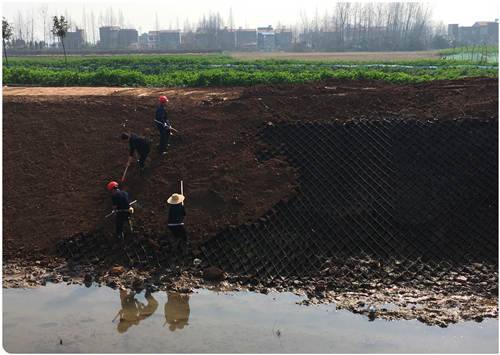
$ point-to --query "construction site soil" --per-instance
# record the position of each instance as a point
(357, 192)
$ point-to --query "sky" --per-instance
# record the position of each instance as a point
(251, 14)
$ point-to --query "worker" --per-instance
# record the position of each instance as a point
(177, 310)
(175, 223)
(138, 144)
(121, 207)
(162, 124)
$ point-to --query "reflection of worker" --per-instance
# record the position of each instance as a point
(177, 310)
(147, 310)
(133, 311)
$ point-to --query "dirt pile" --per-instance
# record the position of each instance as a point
(61, 147)
(281, 194)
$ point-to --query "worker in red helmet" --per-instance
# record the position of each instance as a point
(121, 207)
(162, 124)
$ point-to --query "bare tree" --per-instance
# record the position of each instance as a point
(92, 23)
(43, 14)
(230, 20)
(19, 25)
(121, 19)
(7, 32)
(60, 28)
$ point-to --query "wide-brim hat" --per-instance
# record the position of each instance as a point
(175, 199)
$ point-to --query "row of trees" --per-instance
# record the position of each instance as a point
(59, 29)
(370, 26)
(345, 26)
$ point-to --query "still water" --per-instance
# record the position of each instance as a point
(99, 319)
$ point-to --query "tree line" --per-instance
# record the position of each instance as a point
(344, 26)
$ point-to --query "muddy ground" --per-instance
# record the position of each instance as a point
(61, 147)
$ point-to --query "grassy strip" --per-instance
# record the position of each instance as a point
(172, 62)
(457, 50)
(228, 76)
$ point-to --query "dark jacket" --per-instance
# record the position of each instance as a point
(161, 115)
(120, 199)
(176, 214)
(138, 143)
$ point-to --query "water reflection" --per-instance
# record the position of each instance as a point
(133, 311)
(177, 310)
(36, 320)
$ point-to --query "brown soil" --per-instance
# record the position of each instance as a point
(61, 147)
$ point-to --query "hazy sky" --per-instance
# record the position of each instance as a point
(245, 13)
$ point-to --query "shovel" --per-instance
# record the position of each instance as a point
(165, 125)
(182, 191)
(114, 211)
(125, 172)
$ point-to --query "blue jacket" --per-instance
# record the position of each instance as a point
(161, 115)
(119, 199)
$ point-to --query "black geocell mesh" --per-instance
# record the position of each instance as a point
(420, 194)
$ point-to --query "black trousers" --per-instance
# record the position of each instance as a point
(142, 156)
(180, 239)
(121, 218)
(164, 137)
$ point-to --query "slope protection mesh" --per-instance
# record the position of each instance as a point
(418, 194)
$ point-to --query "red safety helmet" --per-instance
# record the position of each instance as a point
(163, 99)
(112, 185)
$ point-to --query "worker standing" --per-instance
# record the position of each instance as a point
(121, 207)
(162, 124)
(175, 223)
(138, 144)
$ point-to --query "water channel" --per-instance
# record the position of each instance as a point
(62, 318)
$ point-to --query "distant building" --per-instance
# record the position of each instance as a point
(227, 39)
(283, 39)
(153, 37)
(127, 37)
(482, 32)
(74, 40)
(246, 39)
(169, 39)
(108, 37)
(265, 38)
(143, 41)
(453, 31)
(488, 31)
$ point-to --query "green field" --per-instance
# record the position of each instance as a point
(478, 54)
(222, 70)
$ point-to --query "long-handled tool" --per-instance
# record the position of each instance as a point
(119, 314)
(165, 125)
(115, 211)
(125, 172)
(182, 191)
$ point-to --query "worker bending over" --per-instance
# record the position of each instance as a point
(162, 124)
(121, 207)
(138, 144)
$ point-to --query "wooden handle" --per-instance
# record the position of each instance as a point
(182, 191)
(125, 172)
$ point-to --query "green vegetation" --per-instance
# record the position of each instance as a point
(221, 70)
(477, 54)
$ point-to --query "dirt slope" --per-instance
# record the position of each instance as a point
(61, 148)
